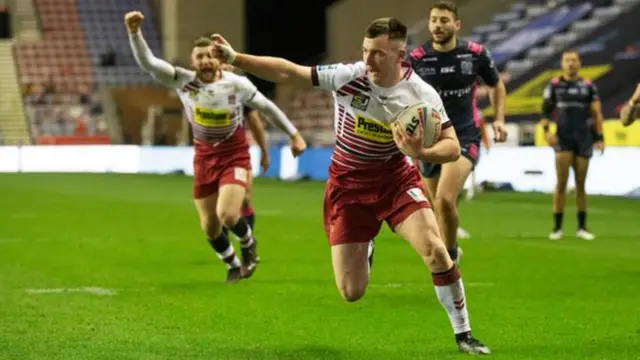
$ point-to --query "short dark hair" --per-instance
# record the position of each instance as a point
(446, 6)
(392, 27)
(202, 41)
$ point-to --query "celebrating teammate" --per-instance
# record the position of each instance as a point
(452, 66)
(576, 101)
(213, 101)
(631, 111)
(370, 180)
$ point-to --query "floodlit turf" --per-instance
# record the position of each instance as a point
(142, 282)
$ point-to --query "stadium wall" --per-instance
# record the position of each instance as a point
(520, 168)
(347, 21)
(183, 21)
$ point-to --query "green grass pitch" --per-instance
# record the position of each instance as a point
(142, 283)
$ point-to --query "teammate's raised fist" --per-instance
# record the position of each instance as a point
(222, 50)
(133, 20)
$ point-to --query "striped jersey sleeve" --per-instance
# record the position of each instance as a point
(333, 77)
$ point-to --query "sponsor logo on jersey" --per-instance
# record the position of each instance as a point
(448, 70)
(232, 99)
(360, 102)
(373, 130)
(326, 67)
(466, 67)
(455, 92)
(212, 117)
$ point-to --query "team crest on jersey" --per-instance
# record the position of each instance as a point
(466, 67)
(360, 102)
(232, 99)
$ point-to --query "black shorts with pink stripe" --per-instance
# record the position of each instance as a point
(469, 148)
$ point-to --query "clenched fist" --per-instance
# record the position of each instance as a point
(133, 20)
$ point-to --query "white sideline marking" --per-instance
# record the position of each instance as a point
(88, 289)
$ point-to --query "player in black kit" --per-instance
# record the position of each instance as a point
(575, 101)
(451, 66)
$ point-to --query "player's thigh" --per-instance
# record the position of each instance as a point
(564, 160)
(452, 179)
(233, 184)
(351, 269)
(206, 207)
(430, 187)
(249, 189)
(420, 230)
(230, 199)
(580, 168)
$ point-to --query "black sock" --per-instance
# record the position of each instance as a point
(242, 230)
(582, 220)
(224, 250)
(453, 253)
(225, 231)
(251, 220)
(557, 221)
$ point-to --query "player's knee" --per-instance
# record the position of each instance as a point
(351, 292)
(446, 203)
(434, 253)
(246, 202)
(228, 217)
(561, 186)
(211, 226)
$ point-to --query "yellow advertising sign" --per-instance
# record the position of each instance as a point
(614, 134)
(527, 99)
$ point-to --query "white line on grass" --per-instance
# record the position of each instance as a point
(94, 290)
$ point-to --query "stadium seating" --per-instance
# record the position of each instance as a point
(83, 47)
(608, 57)
(108, 44)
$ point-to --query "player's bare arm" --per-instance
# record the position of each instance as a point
(256, 128)
(631, 111)
(598, 121)
(497, 94)
(548, 107)
(161, 70)
(498, 97)
(446, 149)
(275, 116)
(277, 70)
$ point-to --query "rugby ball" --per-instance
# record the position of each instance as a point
(422, 115)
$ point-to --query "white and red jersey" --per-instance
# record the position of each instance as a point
(365, 154)
(214, 110)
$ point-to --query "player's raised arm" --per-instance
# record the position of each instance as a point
(497, 93)
(277, 70)
(161, 70)
(631, 111)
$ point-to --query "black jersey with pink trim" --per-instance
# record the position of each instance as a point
(454, 75)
